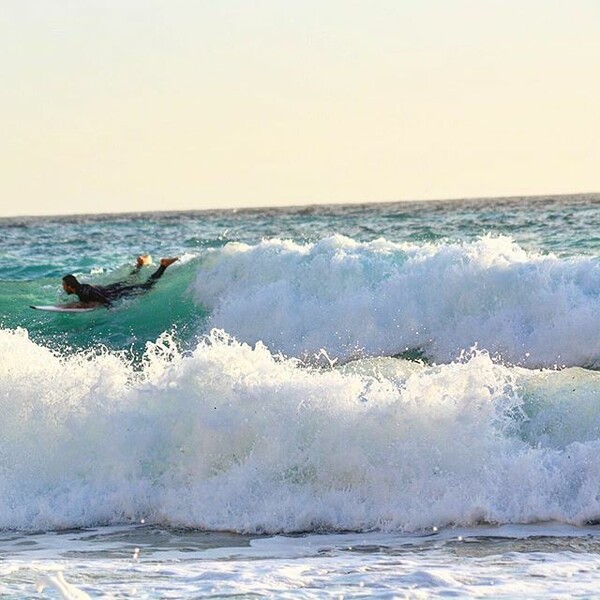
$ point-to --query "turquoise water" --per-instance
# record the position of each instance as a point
(37, 252)
(326, 394)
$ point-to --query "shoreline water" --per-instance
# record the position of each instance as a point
(142, 561)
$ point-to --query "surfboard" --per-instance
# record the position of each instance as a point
(64, 309)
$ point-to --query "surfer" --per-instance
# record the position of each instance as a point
(95, 295)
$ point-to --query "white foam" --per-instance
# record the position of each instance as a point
(66, 590)
(356, 299)
(231, 437)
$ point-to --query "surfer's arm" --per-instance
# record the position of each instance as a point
(90, 295)
(83, 305)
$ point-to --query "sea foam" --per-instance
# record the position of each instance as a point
(233, 437)
(356, 299)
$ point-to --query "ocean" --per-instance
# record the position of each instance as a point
(395, 400)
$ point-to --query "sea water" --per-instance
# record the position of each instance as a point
(391, 400)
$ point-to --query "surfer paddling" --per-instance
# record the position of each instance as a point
(104, 295)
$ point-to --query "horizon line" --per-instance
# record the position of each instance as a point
(313, 206)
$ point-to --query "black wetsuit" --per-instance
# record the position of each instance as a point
(106, 294)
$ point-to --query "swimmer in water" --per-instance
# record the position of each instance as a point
(105, 295)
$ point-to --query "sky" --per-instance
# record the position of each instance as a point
(130, 105)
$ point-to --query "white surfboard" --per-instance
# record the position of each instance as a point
(64, 309)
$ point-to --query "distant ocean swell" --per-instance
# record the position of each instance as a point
(232, 437)
(376, 298)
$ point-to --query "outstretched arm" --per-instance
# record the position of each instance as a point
(164, 263)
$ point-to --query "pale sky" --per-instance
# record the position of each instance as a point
(127, 105)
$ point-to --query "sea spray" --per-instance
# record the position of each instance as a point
(233, 437)
(356, 299)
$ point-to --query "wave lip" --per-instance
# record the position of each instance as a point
(356, 299)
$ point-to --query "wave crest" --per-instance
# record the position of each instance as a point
(356, 299)
(232, 437)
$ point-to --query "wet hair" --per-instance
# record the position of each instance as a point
(71, 281)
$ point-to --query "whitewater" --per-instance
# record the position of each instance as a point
(399, 400)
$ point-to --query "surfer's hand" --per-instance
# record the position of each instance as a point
(144, 260)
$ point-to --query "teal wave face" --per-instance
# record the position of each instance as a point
(128, 325)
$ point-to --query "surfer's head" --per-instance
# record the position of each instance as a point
(70, 284)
